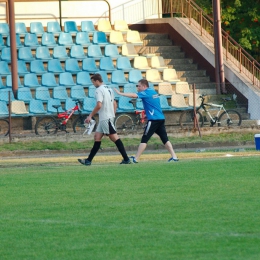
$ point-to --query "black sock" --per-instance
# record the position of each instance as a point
(94, 150)
(121, 149)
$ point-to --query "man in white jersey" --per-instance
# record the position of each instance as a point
(155, 119)
(106, 107)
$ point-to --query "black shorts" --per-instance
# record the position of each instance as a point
(155, 126)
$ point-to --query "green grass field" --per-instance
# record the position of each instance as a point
(198, 208)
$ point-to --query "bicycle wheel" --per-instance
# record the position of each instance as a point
(230, 118)
(124, 124)
(187, 119)
(46, 125)
(79, 125)
(4, 127)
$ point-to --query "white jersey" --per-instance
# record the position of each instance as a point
(105, 95)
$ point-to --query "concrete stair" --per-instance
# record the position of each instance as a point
(174, 57)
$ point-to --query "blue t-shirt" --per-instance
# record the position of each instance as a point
(151, 104)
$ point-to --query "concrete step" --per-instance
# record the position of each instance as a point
(191, 73)
(195, 80)
(158, 50)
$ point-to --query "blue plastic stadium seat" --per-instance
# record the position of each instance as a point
(77, 92)
(60, 52)
(164, 103)
(31, 40)
(111, 51)
(91, 91)
(124, 105)
(2, 42)
(66, 79)
(25, 54)
(123, 63)
(72, 66)
(6, 54)
(104, 77)
(134, 76)
(1, 83)
(54, 66)
(56, 102)
(48, 80)
(20, 28)
(94, 51)
(83, 78)
(42, 53)
(87, 26)
(22, 68)
(65, 39)
(24, 94)
(130, 88)
(77, 52)
(82, 38)
(139, 104)
(4, 29)
(89, 104)
(37, 28)
(4, 94)
(48, 40)
(42, 93)
(31, 80)
(53, 27)
(9, 82)
(89, 65)
(70, 103)
(70, 27)
(36, 107)
(17, 40)
(106, 63)
(3, 108)
(4, 69)
(100, 38)
(118, 77)
(60, 92)
(37, 67)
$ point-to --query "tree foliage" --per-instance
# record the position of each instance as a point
(241, 20)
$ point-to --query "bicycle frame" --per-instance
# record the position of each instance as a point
(67, 114)
(213, 120)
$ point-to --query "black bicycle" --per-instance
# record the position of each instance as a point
(125, 123)
(226, 118)
(49, 125)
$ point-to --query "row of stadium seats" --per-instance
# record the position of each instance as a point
(65, 39)
(69, 26)
(37, 107)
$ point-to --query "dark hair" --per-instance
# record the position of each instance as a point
(97, 77)
(144, 82)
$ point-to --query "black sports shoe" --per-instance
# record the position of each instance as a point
(84, 162)
(126, 162)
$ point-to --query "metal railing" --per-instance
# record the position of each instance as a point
(232, 51)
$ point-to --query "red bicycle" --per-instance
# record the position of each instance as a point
(49, 125)
(125, 123)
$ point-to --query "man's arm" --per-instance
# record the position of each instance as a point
(115, 106)
(130, 95)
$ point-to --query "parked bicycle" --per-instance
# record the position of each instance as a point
(4, 127)
(125, 123)
(49, 125)
(225, 118)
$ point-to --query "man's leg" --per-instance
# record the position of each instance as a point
(120, 146)
(141, 148)
(169, 147)
(94, 150)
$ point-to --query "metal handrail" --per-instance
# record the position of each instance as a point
(232, 51)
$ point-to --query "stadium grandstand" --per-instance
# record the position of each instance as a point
(50, 48)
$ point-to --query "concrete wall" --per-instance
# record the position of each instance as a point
(133, 11)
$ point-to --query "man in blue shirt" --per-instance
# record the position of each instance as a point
(155, 117)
